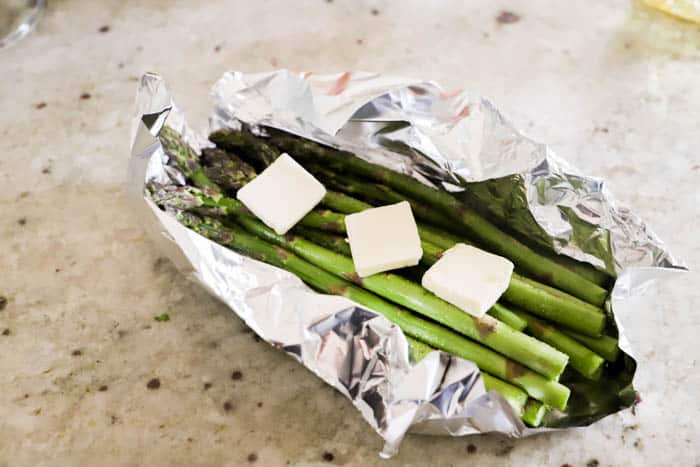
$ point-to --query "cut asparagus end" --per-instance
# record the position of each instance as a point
(433, 334)
(499, 242)
(502, 313)
(534, 413)
(583, 360)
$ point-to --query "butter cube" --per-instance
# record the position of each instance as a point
(383, 238)
(469, 278)
(282, 194)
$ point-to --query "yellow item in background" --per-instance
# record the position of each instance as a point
(688, 10)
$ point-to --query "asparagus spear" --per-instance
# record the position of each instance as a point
(343, 203)
(325, 220)
(226, 169)
(376, 193)
(555, 305)
(185, 157)
(550, 392)
(491, 332)
(338, 244)
(502, 313)
(605, 346)
(515, 397)
(347, 204)
(328, 240)
(527, 259)
(439, 237)
(253, 148)
(582, 359)
(534, 413)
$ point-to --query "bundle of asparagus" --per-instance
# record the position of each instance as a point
(549, 318)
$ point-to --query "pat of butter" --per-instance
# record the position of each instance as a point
(383, 238)
(282, 194)
(469, 278)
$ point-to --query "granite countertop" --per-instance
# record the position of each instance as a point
(89, 377)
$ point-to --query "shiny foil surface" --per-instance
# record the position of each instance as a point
(445, 139)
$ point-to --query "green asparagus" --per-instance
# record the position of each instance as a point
(605, 346)
(502, 313)
(524, 257)
(248, 145)
(555, 305)
(550, 392)
(185, 157)
(581, 359)
(225, 169)
(328, 240)
(491, 332)
(534, 413)
(338, 244)
(515, 397)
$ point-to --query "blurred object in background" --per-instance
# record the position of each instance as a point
(652, 29)
(18, 18)
(688, 10)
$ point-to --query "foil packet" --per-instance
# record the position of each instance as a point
(444, 139)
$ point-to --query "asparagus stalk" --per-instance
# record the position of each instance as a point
(582, 359)
(605, 346)
(550, 392)
(264, 154)
(541, 299)
(230, 172)
(534, 413)
(226, 169)
(343, 203)
(338, 244)
(515, 397)
(536, 298)
(328, 240)
(325, 220)
(585, 270)
(346, 204)
(376, 193)
(524, 349)
(439, 237)
(527, 259)
(253, 148)
(502, 313)
(185, 157)
(555, 305)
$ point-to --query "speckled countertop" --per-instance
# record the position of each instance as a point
(89, 377)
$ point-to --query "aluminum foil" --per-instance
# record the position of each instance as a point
(445, 139)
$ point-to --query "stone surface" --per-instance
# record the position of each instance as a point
(89, 377)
